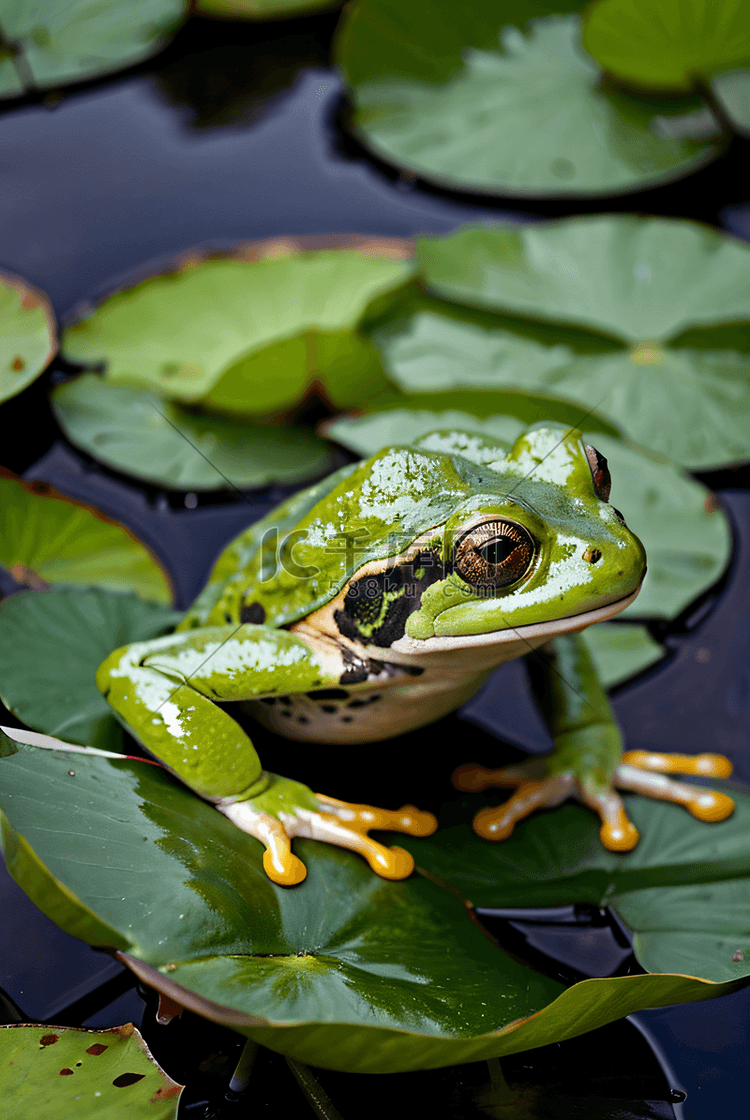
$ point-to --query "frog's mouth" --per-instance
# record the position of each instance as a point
(532, 634)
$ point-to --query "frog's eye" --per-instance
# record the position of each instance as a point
(599, 473)
(494, 554)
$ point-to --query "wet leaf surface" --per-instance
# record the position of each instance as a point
(384, 977)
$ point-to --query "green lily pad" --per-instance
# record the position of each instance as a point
(40, 631)
(495, 100)
(384, 977)
(731, 90)
(244, 337)
(46, 1071)
(675, 380)
(262, 9)
(137, 432)
(634, 279)
(667, 44)
(28, 339)
(683, 891)
(49, 538)
(51, 42)
(620, 651)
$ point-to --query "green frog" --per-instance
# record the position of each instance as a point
(379, 600)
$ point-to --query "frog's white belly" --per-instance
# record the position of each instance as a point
(367, 712)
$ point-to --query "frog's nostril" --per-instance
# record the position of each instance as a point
(592, 555)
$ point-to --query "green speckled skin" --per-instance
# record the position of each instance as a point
(302, 556)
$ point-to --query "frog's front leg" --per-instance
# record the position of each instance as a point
(588, 759)
(165, 690)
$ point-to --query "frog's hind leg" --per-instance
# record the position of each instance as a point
(645, 772)
(532, 792)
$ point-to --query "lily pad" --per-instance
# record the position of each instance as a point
(732, 92)
(498, 101)
(42, 631)
(244, 337)
(672, 296)
(385, 977)
(634, 279)
(667, 44)
(51, 42)
(47, 1071)
(621, 651)
(135, 431)
(28, 339)
(681, 891)
(48, 536)
(262, 9)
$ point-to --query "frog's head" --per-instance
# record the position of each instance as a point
(537, 542)
(482, 542)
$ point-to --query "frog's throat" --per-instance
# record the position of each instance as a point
(536, 632)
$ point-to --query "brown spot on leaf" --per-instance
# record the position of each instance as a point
(65, 1072)
(96, 1049)
(711, 503)
(30, 302)
(738, 956)
(49, 1039)
(125, 1030)
(18, 363)
(126, 1079)
(166, 1092)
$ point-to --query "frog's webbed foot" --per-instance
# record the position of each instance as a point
(333, 822)
(640, 771)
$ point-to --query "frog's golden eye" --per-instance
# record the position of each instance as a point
(599, 473)
(494, 554)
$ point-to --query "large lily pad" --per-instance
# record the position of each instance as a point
(683, 891)
(244, 337)
(486, 100)
(28, 338)
(40, 632)
(667, 44)
(47, 536)
(49, 1071)
(135, 431)
(383, 977)
(51, 42)
(673, 297)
